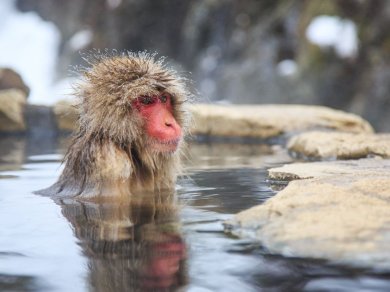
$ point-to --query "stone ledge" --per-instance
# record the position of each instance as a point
(307, 170)
(333, 145)
(340, 213)
(266, 121)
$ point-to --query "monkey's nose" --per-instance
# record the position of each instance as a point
(170, 121)
(172, 126)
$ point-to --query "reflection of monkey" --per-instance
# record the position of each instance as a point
(133, 246)
(132, 119)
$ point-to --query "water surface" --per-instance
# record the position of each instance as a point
(155, 242)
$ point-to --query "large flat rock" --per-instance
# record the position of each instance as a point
(356, 168)
(335, 145)
(253, 121)
(12, 103)
(265, 121)
(336, 210)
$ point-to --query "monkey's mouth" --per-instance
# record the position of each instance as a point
(168, 146)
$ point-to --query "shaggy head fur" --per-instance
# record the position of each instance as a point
(109, 153)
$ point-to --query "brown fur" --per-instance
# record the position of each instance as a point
(109, 154)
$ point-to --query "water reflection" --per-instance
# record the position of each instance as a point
(134, 245)
(12, 153)
(233, 155)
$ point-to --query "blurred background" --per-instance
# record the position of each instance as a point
(333, 53)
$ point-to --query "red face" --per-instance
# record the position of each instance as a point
(160, 125)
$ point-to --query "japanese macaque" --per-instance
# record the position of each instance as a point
(132, 121)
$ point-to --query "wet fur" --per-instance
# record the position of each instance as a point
(108, 155)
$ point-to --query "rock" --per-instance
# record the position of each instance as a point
(265, 121)
(340, 214)
(249, 121)
(9, 79)
(12, 103)
(340, 145)
(361, 167)
(66, 115)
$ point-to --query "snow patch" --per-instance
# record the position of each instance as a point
(81, 39)
(286, 67)
(334, 32)
(29, 45)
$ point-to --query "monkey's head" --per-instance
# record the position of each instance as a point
(162, 130)
(133, 99)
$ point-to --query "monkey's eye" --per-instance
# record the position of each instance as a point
(164, 97)
(146, 100)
